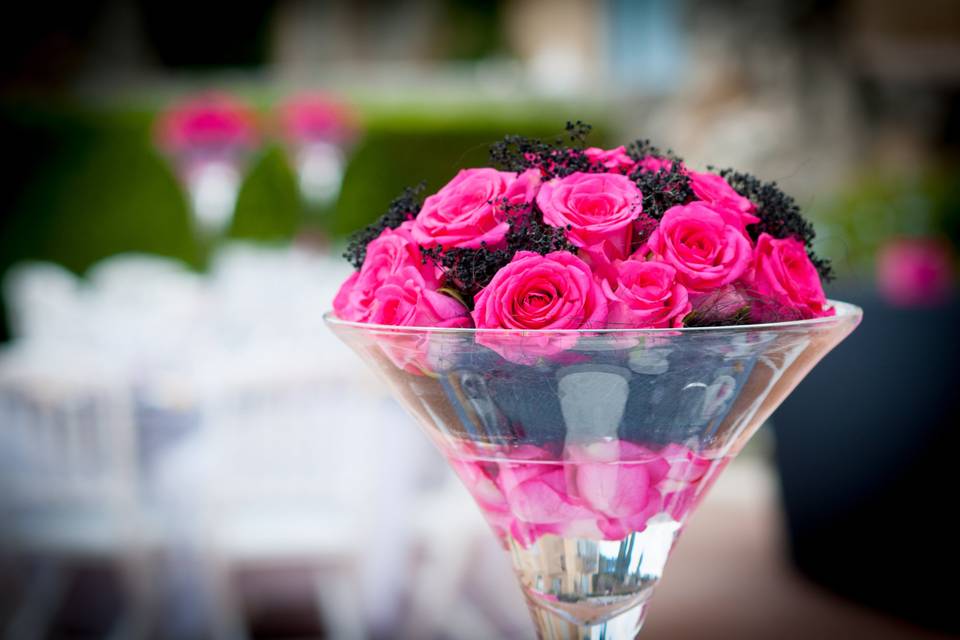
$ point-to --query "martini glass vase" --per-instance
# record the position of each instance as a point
(587, 451)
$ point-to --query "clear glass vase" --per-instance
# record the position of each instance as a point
(587, 451)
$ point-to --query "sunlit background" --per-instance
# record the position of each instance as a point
(186, 451)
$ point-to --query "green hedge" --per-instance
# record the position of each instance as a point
(87, 183)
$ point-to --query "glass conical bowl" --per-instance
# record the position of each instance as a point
(587, 451)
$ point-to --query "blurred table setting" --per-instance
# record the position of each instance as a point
(181, 427)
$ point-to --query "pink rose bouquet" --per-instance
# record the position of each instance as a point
(557, 236)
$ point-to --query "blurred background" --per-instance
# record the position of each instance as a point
(186, 452)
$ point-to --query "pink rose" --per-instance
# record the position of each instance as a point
(468, 211)
(555, 291)
(645, 295)
(522, 192)
(915, 272)
(403, 299)
(613, 160)
(653, 164)
(395, 287)
(390, 253)
(701, 245)
(597, 210)
(782, 272)
(713, 189)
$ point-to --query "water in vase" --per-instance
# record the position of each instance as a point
(589, 526)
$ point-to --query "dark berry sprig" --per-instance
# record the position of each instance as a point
(641, 148)
(404, 207)
(663, 189)
(554, 159)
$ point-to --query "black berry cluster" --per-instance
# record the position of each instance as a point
(404, 207)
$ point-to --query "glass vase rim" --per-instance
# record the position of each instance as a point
(844, 311)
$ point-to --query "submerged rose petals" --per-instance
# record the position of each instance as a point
(600, 491)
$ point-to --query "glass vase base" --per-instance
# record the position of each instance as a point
(623, 626)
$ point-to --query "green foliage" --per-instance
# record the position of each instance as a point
(855, 222)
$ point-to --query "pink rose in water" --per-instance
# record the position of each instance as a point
(915, 272)
(597, 209)
(470, 210)
(534, 292)
(701, 245)
(645, 294)
(783, 273)
(613, 160)
(617, 481)
(714, 190)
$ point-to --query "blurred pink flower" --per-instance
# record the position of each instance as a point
(318, 117)
(915, 272)
(208, 120)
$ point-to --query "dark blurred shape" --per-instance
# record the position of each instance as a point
(866, 447)
(42, 45)
(280, 602)
(197, 35)
(471, 29)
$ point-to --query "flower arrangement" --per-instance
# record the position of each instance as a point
(561, 236)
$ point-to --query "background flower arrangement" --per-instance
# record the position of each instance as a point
(563, 236)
